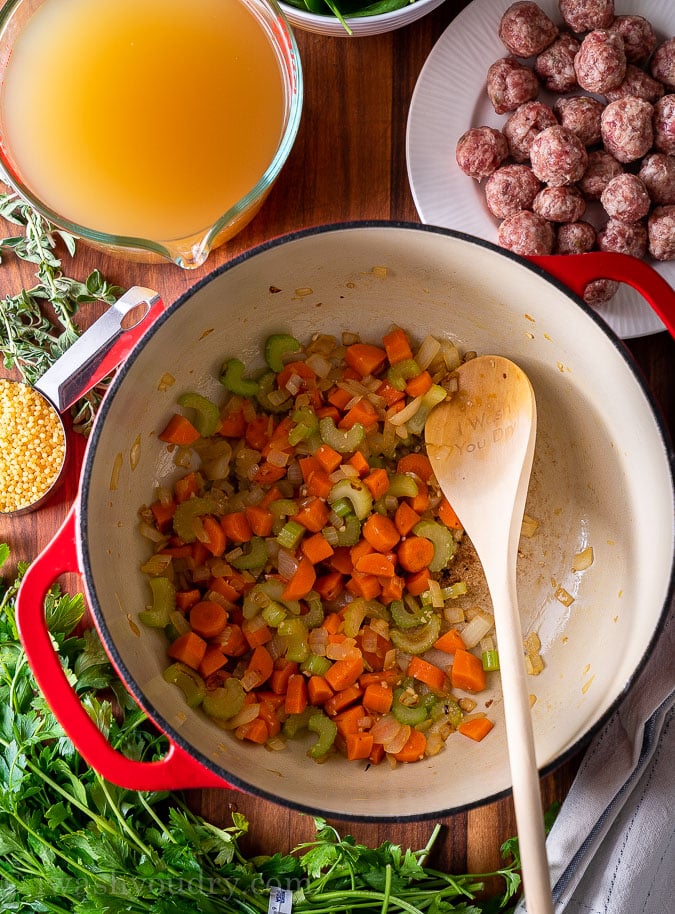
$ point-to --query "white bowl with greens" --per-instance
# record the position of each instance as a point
(355, 18)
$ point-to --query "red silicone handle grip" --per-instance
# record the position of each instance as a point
(579, 269)
(177, 770)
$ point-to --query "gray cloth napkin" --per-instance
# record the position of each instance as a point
(612, 848)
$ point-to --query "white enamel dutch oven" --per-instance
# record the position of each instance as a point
(603, 476)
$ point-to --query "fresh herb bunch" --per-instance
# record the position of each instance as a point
(73, 843)
(349, 9)
(31, 338)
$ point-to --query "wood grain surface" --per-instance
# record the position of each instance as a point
(348, 163)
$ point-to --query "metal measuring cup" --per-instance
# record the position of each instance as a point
(91, 358)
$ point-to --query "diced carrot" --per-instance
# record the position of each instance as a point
(426, 672)
(278, 438)
(199, 554)
(362, 412)
(378, 697)
(415, 553)
(212, 661)
(313, 515)
(318, 690)
(377, 564)
(328, 412)
(416, 463)
(397, 345)
(217, 541)
(258, 431)
(365, 358)
(390, 393)
(189, 648)
(236, 527)
(391, 589)
(447, 514)
(419, 385)
(360, 549)
(232, 641)
(450, 642)
(376, 754)
(179, 430)
(186, 487)
(421, 501)
(232, 424)
(360, 464)
(358, 745)
(329, 586)
(296, 694)
(319, 484)
(261, 663)
(344, 673)
(178, 552)
(255, 633)
(186, 599)
(255, 731)
(316, 548)
(163, 513)
(377, 481)
(341, 700)
(477, 728)
(380, 531)
(302, 581)
(268, 473)
(332, 623)
(260, 520)
(341, 560)
(272, 494)
(405, 518)
(270, 714)
(329, 458)
(467, 672)
(339, 398)
(391, 677)
(364, 585)
(208, 619)
(348, 721)
(418, 582)
(283, 670)
(414, 748)
(224, 587)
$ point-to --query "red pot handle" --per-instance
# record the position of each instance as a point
(579, 269)
(177, 770)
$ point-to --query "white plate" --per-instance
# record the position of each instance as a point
(450, 97)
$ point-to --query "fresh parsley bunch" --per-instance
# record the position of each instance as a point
(73, 843)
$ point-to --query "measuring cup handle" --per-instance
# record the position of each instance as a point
(101, 348)
(177, 770)
(579, 269)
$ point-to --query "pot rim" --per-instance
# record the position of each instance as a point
(82, 523)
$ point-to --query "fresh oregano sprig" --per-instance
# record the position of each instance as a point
(37, 325)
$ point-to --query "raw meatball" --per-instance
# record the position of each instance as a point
(575, 238)
(624, 238)
(658, 175)
(639, 39)
(580, 114)
(525, 29)
(510, 84)
(600, 291)
(625, 198)
(601, 168)
(523, 126)
(584, 15)
(662, 66)
(526, 233)
(661, 227)
(560, 204)
(510, 189)
(664, 124)
(558, 156)
(480, 151)
(637, 83)
(600, 64)
(627, 131)
(555, 65)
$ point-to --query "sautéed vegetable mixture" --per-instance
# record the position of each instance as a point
(304, 562)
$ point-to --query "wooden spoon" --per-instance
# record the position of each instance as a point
(481, 443)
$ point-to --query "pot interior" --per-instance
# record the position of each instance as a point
(601, 478)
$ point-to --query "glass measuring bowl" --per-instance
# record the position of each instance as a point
(175, 153)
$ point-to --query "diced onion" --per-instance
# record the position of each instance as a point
(529, 526)
(477, 628)
(400, 418)
(427, 352)
(397, 742)
(277, 458)
(287, 563)
(385, 729)
(583, 560)
(245, 716)
(319, 365)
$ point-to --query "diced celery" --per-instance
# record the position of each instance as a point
(315, 665)
(207, 414)
(342, 507)
(417, 640)
(490, 660)
(177, 625)
(401, 372)
(188, 681)
(408, 616)
(163, 602)
(350, 533)
(344, 441)
(274, 613)
(277, 346)
(232, 378)
(188, 511)
(326, 729)
(267, 383)
(290, 534)
(442, 539)
(435, 395)
(296, 723)
(411, 714)
(295, 634)
(225, 701)
(358, 494)
(255, 557)
(307, 423)
(402, 486)
(314, 616)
